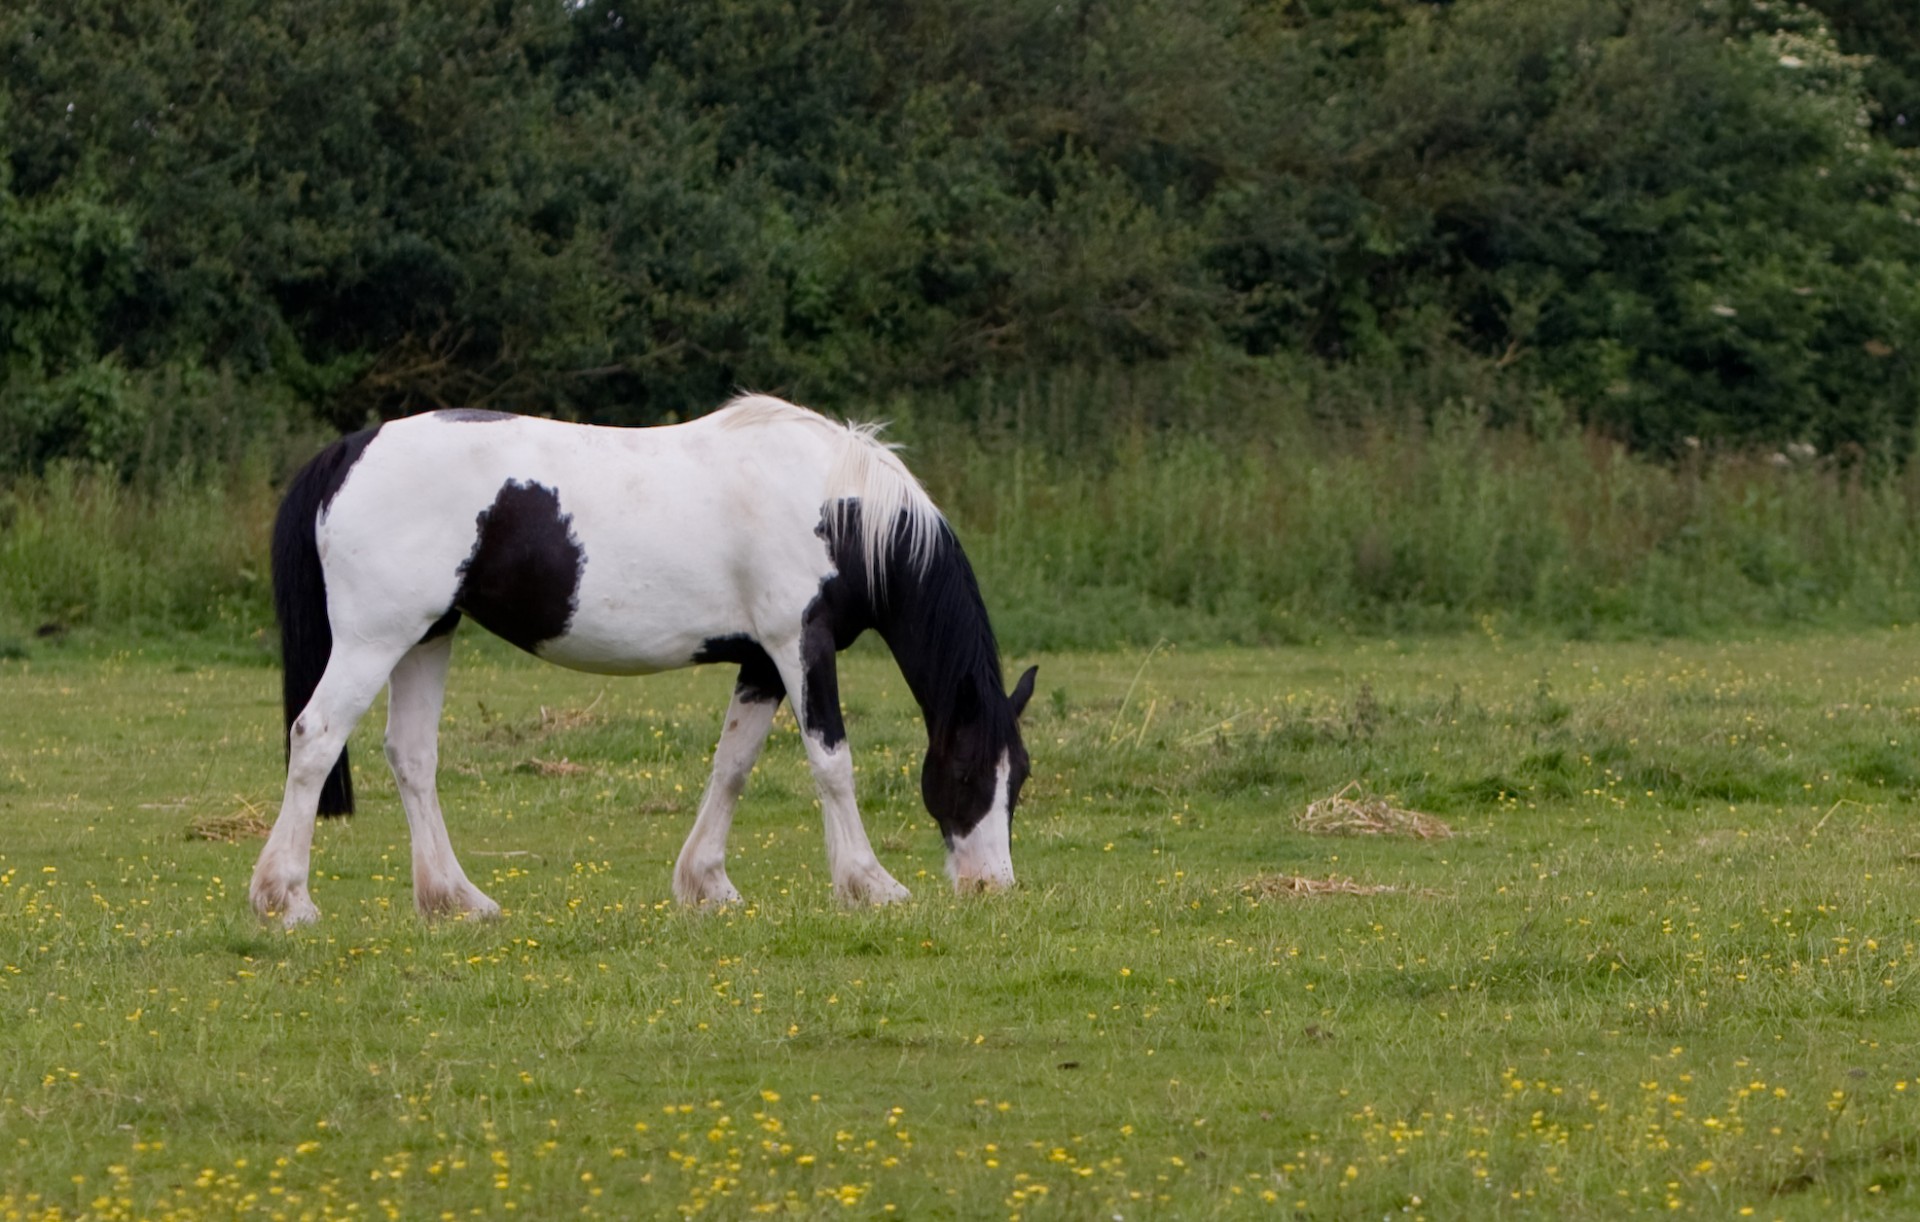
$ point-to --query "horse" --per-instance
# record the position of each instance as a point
(763, 535)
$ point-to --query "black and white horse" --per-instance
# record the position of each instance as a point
(763, 535)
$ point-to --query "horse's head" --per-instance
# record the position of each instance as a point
(971, 782)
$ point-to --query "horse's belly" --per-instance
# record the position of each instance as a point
(627, 641)
(604, 656)
(638, 614)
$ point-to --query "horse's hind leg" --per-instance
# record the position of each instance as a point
(353, 678)
(417, 689)
(700, 875)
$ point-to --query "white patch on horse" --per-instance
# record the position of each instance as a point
(982, 859)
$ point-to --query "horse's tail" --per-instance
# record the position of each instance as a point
(300, 598)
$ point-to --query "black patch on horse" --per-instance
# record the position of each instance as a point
(522, 582)
(471, 415)
(333, 463)
(934, 622)
(759, 678)
(836, 617)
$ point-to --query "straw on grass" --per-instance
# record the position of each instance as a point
(243, 824)
(552, 719)
(1294, 886)
(1352, 813)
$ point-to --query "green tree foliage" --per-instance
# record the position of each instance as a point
(365, 201)
(1689, 236)
(1887, 32)
(1676, 216)
(66, 265)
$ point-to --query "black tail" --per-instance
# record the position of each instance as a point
(300, 597)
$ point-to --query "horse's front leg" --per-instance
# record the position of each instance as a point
(700, 875)
(416, 692)
(811, 676)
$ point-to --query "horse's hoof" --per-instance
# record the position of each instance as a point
(704, 888)
(293, 912)
(465, 903)
(874, 891)
(484, 910)
(290, 905)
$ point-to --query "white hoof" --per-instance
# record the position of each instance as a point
(285, 901)
(464, 902)
(709, 887)
(871, 886)
(709, 894)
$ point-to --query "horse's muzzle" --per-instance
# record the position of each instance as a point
(983, 885)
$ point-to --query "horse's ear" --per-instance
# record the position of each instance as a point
(1022, 692)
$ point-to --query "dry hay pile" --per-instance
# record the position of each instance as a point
(556, 718)
(1352, 813)
(243, 824)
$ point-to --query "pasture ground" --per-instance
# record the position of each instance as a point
(1666, 964)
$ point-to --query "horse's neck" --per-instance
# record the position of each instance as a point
(938, 632)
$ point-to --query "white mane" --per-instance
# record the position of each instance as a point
(865, 470)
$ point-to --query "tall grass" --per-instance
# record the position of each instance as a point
(164, 527)
(1284, 528)
(80, 547)
(1103, 513)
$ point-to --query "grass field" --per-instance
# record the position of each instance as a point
(1666, 963)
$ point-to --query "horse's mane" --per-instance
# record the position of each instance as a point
(896, 516)
(960, 656)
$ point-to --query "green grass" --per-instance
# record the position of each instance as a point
(1667, 963)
